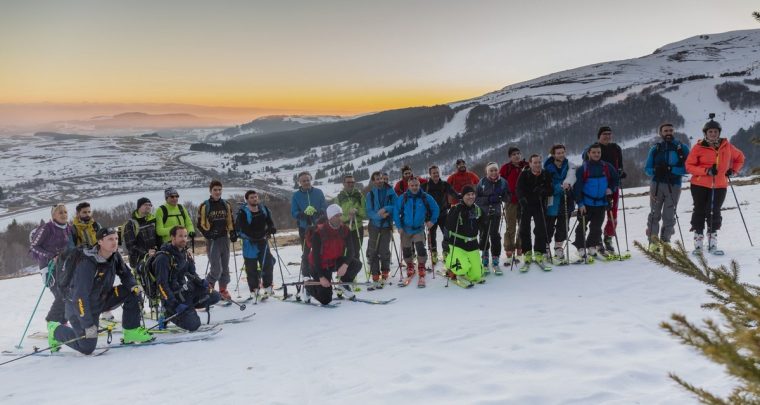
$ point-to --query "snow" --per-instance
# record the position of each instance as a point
(576, 335)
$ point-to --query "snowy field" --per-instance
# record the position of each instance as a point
(577, 335)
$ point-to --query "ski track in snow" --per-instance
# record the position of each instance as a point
(577, 335)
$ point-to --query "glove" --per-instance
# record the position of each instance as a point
(191, 235)
(662, 171)
(310, 211)
(730, 172)
(205, 285)
(623, 174)
(712, 171)
(271, 231)
(137, 290)
(233, 236)
(180, 308)
(91, 332)
(610, 202)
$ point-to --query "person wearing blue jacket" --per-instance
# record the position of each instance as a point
(414, 212)
(379, 203)
(308, 205)
(595, 183)
(562, 201)
(666, 165)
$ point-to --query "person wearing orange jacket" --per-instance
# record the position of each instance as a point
(711, 161)
(460, 178)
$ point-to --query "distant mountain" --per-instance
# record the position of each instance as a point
(271, 124)
(131, 122)
(60, 137)
(679, 83)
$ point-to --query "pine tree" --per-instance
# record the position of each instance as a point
(756, 14)
(734, 342)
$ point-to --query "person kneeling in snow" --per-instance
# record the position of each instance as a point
(331, 251)
(91, 291)
(180, 287)
(463, 224)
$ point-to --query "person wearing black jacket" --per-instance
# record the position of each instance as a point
(140, 233)
(439, 189)
(463, 224)
(91, 291)
(254, 224)
(180, 287)
(534, 186)
(331, 251)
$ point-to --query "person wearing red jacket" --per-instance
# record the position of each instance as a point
(510, 172)
(461, 178)
(711, 161)
(403, 184)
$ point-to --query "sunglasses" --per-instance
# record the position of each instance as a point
(174, 196)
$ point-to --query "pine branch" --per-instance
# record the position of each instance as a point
(705, 397)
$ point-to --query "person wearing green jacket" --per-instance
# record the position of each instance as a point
(172, 214)
(351, 201)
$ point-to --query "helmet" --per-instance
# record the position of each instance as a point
(712, 124)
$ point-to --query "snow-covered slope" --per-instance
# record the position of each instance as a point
(576, 335)
(271, 123)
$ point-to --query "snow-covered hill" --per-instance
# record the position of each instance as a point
(270, 124)
(576, 335)
(681, 83)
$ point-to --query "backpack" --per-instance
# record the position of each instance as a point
(605, 169)
(123, 229)
(428, 212)
(63, 268)
(145, 273)
(166, 215)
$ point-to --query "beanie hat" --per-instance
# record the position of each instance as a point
(142, 201)
(602, 130)
(334, 210)
(460, 161)
(512, 149)
(170, 191)
(467, 189)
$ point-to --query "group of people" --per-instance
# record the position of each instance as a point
(534, 198)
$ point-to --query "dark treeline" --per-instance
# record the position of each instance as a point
(14, 241)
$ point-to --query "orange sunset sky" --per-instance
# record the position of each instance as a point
(239, 59)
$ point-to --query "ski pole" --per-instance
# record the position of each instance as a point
(546, 233)
(361, 248)
(38, 351)
(614, 226)
(398, 258)
(567, 228)
(237, 276)
(279, 259)
(210, 250)
(625, 224)
(29, 322)
(430, 251)
(583, 234)
(675, 211)
(740, 210)
(567, 242)
(517, 238)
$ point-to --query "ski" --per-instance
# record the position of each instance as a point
(170, 339)
(372, 302)
(314, 304)
(581, 260)
(524, 267)
(716, 252)
(96, 353)
(544, 266)
(457, 281)
(406, 281)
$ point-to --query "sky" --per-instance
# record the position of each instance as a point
(247, 58)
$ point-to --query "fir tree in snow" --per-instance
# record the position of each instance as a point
(734, 342)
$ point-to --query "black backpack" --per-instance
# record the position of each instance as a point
(63, 268)
(145, 273)
(165, 212)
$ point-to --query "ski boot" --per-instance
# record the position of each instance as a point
(712, 244)
(386, 275)
(52, 342)
(136, 335)
(107, 316)
(608, 245)
(484, 262)
(421, 275)
(699, 241)
(433, 257)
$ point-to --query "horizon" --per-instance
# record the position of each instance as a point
(243, 60)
